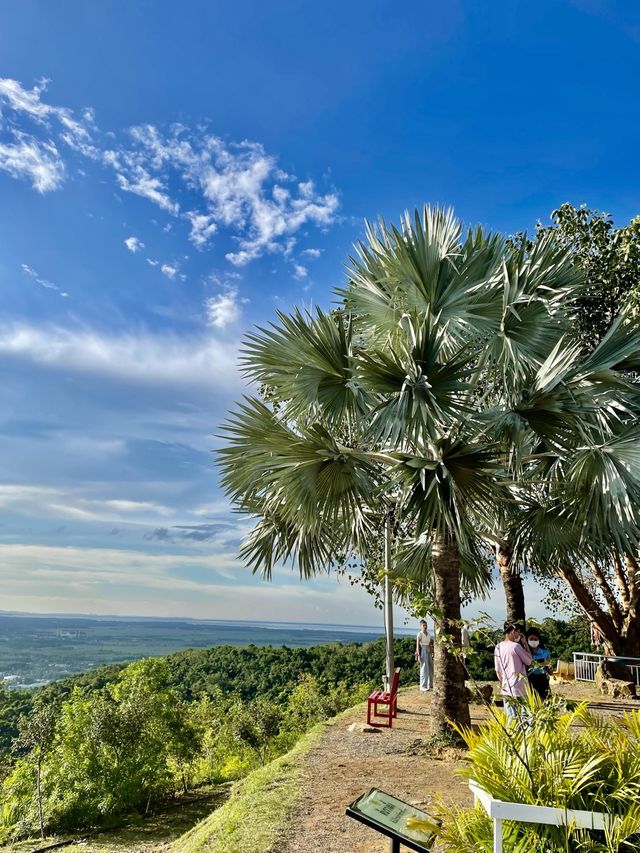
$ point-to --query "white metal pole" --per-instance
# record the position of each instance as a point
(388, 603)
(497, 835)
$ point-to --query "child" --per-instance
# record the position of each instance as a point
(540, 666)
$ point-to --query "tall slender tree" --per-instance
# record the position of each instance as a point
(444, 372)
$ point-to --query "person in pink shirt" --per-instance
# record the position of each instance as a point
(511, 659)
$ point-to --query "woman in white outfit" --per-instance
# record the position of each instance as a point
(424, 651)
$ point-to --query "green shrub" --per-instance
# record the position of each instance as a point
(552, 757)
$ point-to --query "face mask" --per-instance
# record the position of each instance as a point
(534, 643)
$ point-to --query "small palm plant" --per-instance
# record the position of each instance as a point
(552, 757)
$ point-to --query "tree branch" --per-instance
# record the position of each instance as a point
(603, 583)
(588, 603)
(621, 580)
(633, 571)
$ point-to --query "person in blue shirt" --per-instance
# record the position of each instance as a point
(540, 667)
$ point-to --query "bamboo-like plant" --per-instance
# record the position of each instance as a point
(552, 757)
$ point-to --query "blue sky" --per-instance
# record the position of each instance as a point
(171, 174)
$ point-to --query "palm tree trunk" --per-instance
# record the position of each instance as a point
(512, 583)
(449, 695)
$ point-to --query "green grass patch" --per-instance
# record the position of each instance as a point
(142, 835)
(253, 817)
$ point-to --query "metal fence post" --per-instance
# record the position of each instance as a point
(497, 835)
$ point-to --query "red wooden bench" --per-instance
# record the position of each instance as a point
(386, 699)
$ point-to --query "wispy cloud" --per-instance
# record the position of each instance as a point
(241, 185)
(41, 501)
(151, 359)
(23, 154)
(43, 282)
(238, 187)
(203, 227)
(38, 162)
(134, 244)
(311, 253)
(141, 183)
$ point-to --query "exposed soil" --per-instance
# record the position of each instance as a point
(400, 760)
(345, 764)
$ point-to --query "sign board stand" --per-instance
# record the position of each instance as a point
(402, 823)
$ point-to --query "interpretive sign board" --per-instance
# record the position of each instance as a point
(399, 821)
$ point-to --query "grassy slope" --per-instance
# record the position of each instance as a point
(251, 820)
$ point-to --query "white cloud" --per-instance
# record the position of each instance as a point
(223, 309)
(50, 579)
(141, 358)
(141, 183)
(25, 155)
(239, 185)
(134, 244)
(312, 253)
(38, 162)
(299, 271)
(203, 227)
(28, 101)
(43, 282)
(168, 270)
(152, 262)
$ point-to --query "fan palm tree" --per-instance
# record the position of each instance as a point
(424, 393)
(576, 515)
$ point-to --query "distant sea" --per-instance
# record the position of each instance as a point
(36, 649)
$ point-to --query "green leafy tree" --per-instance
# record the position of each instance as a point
(610, 259)
(256, 725)
(111, 753)
(449, 374)
(35, 735)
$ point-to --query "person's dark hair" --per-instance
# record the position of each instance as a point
(510, 626)
(533, 632)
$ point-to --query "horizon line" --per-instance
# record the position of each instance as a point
(114, 616)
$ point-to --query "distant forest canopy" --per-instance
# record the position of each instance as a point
(124, 738)
(38, 649)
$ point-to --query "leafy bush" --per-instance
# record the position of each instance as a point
(552, 757)
(97, 755)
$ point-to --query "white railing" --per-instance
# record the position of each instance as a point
(585, 665)
(499, 810)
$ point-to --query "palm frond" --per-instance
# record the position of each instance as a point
(426, 269)
(450, 485)
(307, 363)
(305, 481)
(420, 392)
(413, 559)
(619, 350)
(537, 288)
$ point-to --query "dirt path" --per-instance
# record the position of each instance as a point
(345, 764)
